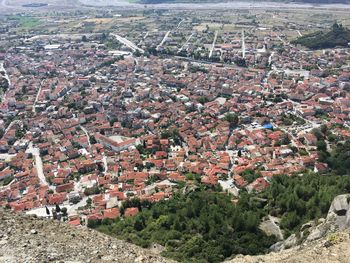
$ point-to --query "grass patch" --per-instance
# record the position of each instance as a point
(26, 22)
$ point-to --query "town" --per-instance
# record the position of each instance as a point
(99, 107)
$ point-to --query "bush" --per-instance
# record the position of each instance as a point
(7, 180)
(191, 225)
(92, 190)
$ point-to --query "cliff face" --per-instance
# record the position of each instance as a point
(333, 248)
(29, 239)
(327, 241)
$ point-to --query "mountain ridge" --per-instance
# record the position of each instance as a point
(249, 1)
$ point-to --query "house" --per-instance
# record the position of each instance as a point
(65, 187)
(310, 139)
(6, 173)
(258, 185)
(239, 181)
(131, 211)
(114, 145)
(111, 213)
(320, 167)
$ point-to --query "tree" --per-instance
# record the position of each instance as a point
(190, 225)
(64, 211)
(88, 202)
(47, 211)
(339, 159)
(203, 100)
(92, 139)
(285, 140)
(138, 225)
(324, 128)
(241, 62)
(19, 133)
(92, 223)
(92, 190)
(250, 175)
(232, 118)
(321, 146)
(290, 220)
(58, 209)
(317, 132)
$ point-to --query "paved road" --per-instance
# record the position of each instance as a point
(163, 40)
(38, 163)
(144, 37)
(280, 39)
(243, 44)
(87, 134)
(72, 210)
(136, 64)
(37, 95)
(178, 26)
(213, 45)
(6, 76)
(11, 124)
(2, 68)
(270, 58)
(127, 43)
(104, 160)
(188, 40)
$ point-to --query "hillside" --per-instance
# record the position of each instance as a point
(221, 1)
(29, 239)
(334, 248)
(336, 36)
(202, 225)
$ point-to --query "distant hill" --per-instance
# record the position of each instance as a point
(220, 1)
(337, 36)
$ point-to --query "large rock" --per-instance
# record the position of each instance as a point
(334, 249)
(291, 241)
(340, 209)
(338, 218)
(270, 226)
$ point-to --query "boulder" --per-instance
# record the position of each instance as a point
(338, 218)
(270, 226)
(291, 241)
(340, 209)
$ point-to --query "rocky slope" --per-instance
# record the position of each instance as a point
(29, 239)
(333, 248)
(327, 240)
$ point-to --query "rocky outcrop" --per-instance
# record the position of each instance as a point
(270, 226)
(324, 240)
(331, 249)
(338, 218)
(291, 241)
(29, 239)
